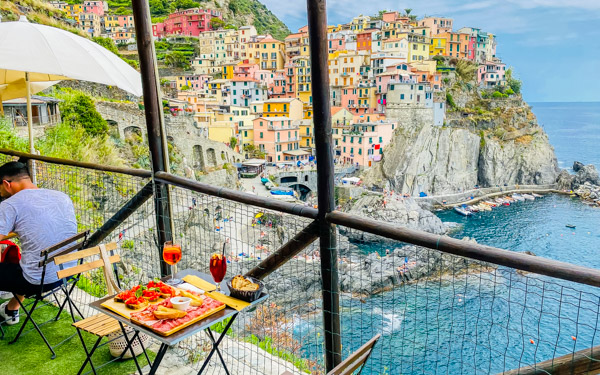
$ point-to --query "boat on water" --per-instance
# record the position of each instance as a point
(570, 226)
(529, 197)
(499, 200)
(537, 195)
(490, 203)
(484, 207)
(518, 197)
(462, 211)
(509, 198)
(473, 208)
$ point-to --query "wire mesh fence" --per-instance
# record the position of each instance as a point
(437, 313)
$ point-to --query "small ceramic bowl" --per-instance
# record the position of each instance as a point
(181, 303)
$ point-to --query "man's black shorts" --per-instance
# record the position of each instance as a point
(12, 280)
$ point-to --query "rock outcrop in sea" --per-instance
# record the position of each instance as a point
(484, 142)
(585, 182)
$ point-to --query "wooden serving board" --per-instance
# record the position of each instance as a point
(148, 324)
(121, 309)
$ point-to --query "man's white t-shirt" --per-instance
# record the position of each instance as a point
(41, 218)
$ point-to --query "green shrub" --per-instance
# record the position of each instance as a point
(450, 100)
(497, 94)
(509, 91)
(79, 109)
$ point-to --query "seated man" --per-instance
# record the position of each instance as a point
(41, 218)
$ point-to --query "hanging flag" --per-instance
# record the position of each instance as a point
(377, 146)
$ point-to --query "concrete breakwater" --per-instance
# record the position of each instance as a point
(476, 195)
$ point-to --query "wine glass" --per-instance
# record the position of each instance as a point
(218, 268)
(172, 255)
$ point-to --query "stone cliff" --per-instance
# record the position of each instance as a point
(486, 142)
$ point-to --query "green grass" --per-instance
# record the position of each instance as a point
(29, 355)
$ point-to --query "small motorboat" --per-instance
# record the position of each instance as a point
(499, 200)
(462, 211)
(537, 195)
(490, 203)
(509, 198)
(518, 197)
(529, 197)
(570, 226)
(473, 208)
(484, 207)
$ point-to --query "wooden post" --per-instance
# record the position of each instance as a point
(317, 28)
(154, 119)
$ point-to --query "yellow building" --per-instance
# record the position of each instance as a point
(438, 46)
(429, 66)
(345, 67)
(111, 22)
(291, 108)
(234, 122)
(366, 97)
(267, 52)
(302, 77)
(227, 71)
(341, 119)
(418, 46)
(307, 133)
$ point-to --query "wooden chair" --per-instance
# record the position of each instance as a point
(48, 255)
(356, 360)
(99, 325)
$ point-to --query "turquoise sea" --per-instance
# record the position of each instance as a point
(489, 323)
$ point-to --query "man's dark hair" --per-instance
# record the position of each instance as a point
(13, 169)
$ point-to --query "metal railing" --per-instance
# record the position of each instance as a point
(442, 305)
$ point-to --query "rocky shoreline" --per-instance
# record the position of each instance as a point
(585, 183)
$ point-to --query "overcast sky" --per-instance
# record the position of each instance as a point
(553, 45)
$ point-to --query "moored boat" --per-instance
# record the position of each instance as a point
(537, 195)
(529, 197)
(518, 197)
(461, 211)
(509, 198)
(490, 203)
(484, 207)
(499, 200)
(473, 208)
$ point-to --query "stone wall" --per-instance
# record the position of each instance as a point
(199, 152)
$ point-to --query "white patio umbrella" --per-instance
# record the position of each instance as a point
(39, 53)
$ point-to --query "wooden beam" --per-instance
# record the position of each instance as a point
(585, 361)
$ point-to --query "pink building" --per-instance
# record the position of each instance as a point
(96, 7)
(278, 138)
(437, 25)
(126, 21)
(336, 44)
(364, 143)
(190, 22)
(245, 70)
(491, 74)
(349, 98)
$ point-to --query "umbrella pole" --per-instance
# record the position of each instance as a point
(30, 127)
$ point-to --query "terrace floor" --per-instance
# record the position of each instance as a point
(29, 355)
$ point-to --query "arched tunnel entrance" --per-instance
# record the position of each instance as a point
(302, 190)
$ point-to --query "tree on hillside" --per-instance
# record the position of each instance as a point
(79, 109)
(159, 7)
(177, 59)
(407, 11)
(466, 70)
(217, 23)
(233, 142)
(513, 83)
(107, 43)
(183, 4)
